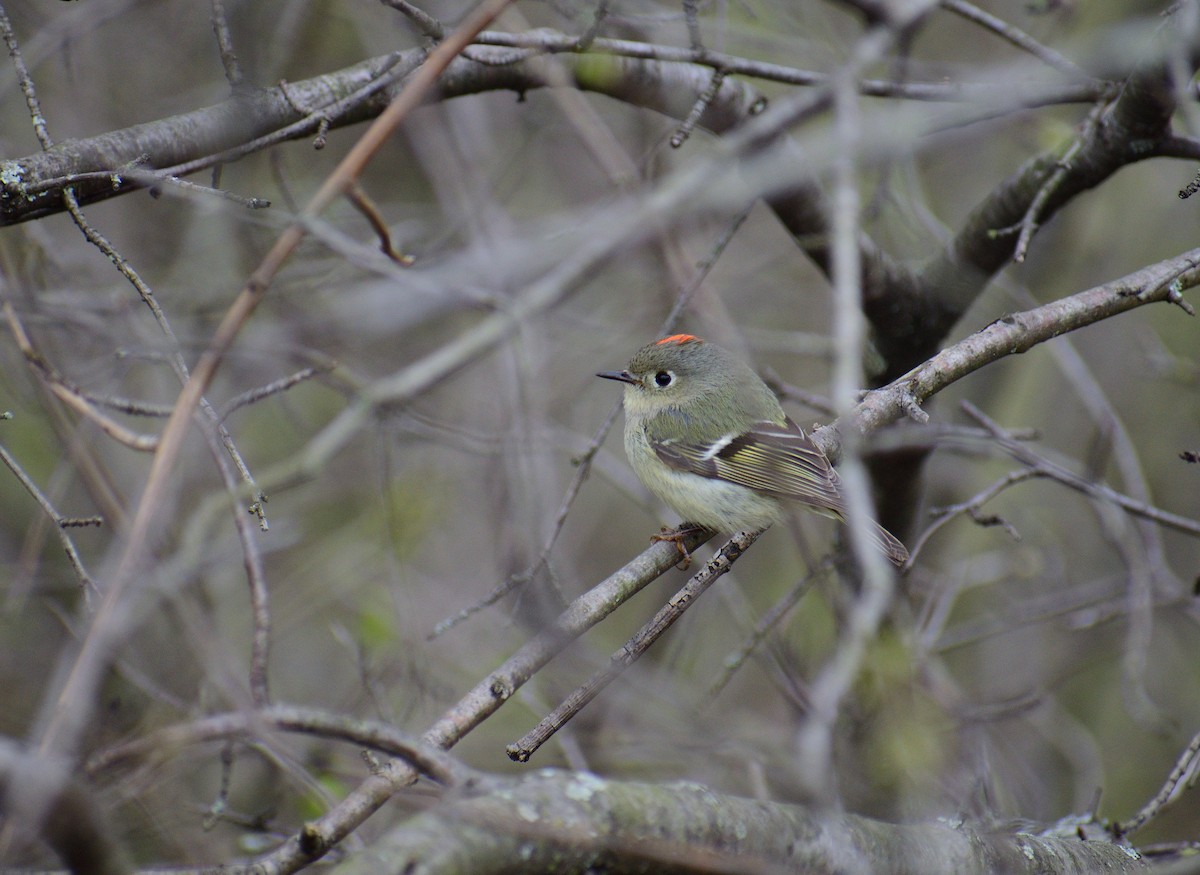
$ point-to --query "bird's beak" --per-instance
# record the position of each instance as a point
(622, 376)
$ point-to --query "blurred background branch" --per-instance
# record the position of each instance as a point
(985, 186)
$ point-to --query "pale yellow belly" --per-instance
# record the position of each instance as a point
(714, 504)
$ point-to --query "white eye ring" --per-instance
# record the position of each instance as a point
(663, 379)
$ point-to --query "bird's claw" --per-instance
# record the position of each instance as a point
(677, 537)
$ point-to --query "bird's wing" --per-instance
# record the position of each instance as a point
(779, 460)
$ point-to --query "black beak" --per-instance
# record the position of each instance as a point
(623, 376)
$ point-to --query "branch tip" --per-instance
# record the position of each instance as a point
(1175, 296)
(912, 408)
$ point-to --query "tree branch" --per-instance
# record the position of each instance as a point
(1015, 334)
(564, 822)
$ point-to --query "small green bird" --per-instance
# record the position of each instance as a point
(705, 434)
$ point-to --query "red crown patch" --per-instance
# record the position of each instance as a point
(678, 340)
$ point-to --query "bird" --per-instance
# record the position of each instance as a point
(705, 434)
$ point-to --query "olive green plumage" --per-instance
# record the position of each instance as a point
(706, 435)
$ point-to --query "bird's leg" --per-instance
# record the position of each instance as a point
(677, 536)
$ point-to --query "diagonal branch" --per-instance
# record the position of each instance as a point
(1018, 333)
(68, 711)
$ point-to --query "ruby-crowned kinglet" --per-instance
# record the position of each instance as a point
(706, 435)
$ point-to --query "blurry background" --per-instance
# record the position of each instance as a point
(1009, 682)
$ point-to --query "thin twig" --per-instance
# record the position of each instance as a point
(527, 745)
(693, 25)
(1191, 188)
(229, 59)
(702, 103)
(220, 804)
(544, 40)
(1045, 468)
(1140, 576)
(1184, 774)
(363, 203)
(703, 269)
(154, 181)
(320, 116)
(256, 581)
(132, 406)
(245, 725)
(60, 522)
(175, 356)
(25, 81)
(972, 507)
(583, 465)
(252, 396)
(1029, 222)
(589, 36)
(392, 68)
(768, 621)
(1016, 36)
(69, 394)
(426, 23)
(788, 392)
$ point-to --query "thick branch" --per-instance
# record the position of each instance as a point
(566, 822)
(254, 119)
(1128, 131)
(31, 187)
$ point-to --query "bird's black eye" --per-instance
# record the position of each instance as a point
(663, 379)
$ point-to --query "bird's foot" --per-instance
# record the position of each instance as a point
(677, 536)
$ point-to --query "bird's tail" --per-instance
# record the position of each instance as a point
(887, 543)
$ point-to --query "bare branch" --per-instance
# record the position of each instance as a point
(527, 745)
(1016, 36)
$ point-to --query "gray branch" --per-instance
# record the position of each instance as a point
(99, 167)
(566, 822)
